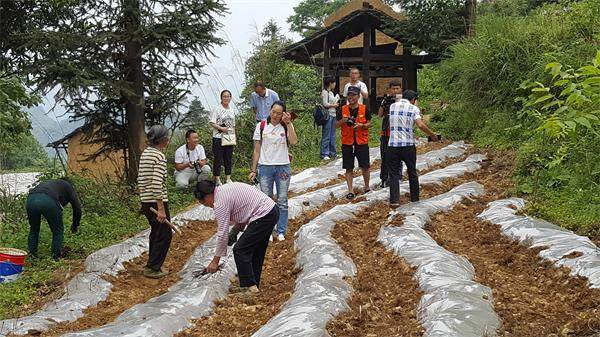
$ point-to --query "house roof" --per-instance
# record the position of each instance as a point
(339, 31)
(68, 136)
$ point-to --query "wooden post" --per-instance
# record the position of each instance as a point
(367, 62)
(326, 58)
(409, 69)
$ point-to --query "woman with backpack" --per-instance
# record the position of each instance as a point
(271, 159)
(222, 121)
(329, 102)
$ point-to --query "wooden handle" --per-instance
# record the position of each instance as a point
(173, 227)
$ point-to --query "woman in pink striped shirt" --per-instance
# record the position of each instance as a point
(243, 206)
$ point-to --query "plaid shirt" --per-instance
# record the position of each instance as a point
(402, 119)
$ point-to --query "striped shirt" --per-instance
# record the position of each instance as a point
(237, 203)
(402, 119)
(152, 175)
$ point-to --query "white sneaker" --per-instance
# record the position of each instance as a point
(228, 181)
(218, 182)
(326, 158)
(271, 238)
(280, 237)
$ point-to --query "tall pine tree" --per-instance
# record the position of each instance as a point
(119, 65)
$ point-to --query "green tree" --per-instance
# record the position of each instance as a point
(119, 65)
(197, 115)
(433, 25)
(309, 15)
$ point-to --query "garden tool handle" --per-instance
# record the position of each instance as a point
(173, 227)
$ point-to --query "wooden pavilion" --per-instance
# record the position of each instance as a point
(378, 55)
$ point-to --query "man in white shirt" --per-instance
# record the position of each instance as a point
(190, 161)
(355, 82)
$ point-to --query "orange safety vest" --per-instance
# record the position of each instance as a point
(349, 132)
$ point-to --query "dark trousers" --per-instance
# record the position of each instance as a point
(249, 251)
(223, 155)
(384, 174)
(38, 205)
(160, 236)
(408, 155)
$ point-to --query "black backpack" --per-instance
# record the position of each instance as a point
(320, 116)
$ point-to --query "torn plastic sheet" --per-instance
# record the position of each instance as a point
(321, 292)
(453, 304)
(558, 242)
(307, 201)
(172, 311)
(317, 175)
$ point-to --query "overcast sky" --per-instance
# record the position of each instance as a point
(225, 71)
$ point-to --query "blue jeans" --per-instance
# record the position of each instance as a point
(280, 176)
(328, 139)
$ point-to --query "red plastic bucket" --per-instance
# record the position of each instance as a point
(12, 255)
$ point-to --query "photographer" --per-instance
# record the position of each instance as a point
(394, 95)
(401, 148)
(355, 120)
(190, 161)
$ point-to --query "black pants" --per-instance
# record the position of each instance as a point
(384, 174)
(249, 251)
(408, 155)
(223, 155)
(160, 236)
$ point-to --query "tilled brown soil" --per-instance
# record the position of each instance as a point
(241, 316)
(385, 294)
(130, 287)
(531, 297)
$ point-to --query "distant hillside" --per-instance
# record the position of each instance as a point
(46, 129)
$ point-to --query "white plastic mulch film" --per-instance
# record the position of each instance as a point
(172, 311)
(321, 291)
(89, 288)
(84, 290)
(307, 201)
(453, 304)
(561, 246)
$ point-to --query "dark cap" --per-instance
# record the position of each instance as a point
(352, 90)
(409, 95)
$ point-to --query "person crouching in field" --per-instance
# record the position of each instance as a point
(152, 184)
(245, 207)
(48, 199)
(355, 120)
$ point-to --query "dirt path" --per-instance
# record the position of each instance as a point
(130, 287)
(531, 297)
(385, 294)
(241, 316)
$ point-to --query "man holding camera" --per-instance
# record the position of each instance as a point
(190, 161)
(394, 95)
(355, 120)
(401, 148)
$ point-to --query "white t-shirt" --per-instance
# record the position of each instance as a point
(220, 116)
(274, 148)
(361, 85)
(183, 156)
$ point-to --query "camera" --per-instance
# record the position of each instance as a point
(197, 167)
(351, 120)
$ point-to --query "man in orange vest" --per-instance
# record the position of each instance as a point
(355, 120)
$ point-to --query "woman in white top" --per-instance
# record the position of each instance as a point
(329, 102)
(222, 120)
(272, 159)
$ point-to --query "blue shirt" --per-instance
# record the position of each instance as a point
(402, 119)
(263, 104)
